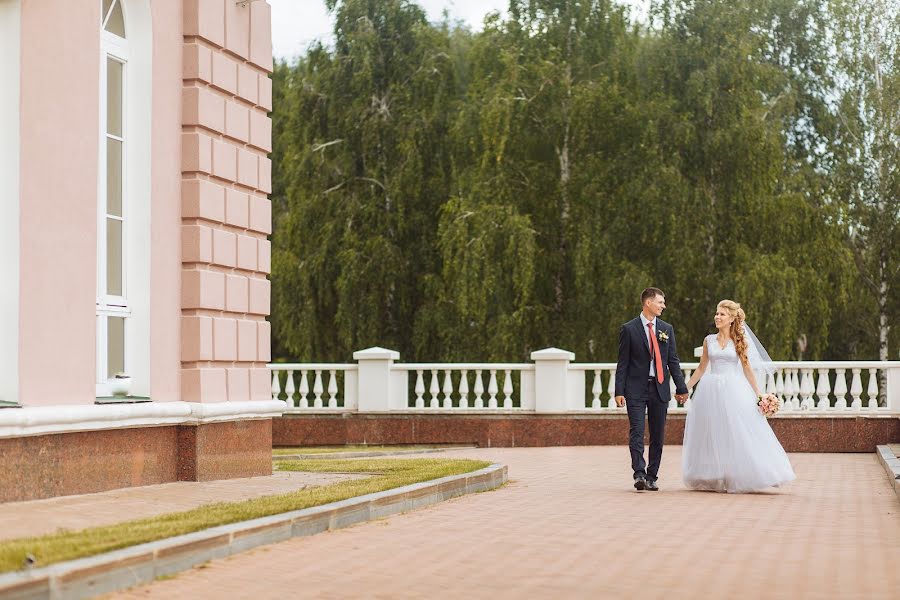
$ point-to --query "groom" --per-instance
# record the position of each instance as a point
(647, 358)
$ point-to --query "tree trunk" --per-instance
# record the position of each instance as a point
(562, 154)
(883, 326)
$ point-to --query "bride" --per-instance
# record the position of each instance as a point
(728, 444)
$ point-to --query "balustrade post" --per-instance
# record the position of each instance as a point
(892, 389)
(551, 381)
(375, 365)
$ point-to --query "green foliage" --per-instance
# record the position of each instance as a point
(477, 196)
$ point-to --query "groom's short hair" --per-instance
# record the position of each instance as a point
(649, 293)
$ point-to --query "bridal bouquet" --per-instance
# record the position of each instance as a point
(768, 404)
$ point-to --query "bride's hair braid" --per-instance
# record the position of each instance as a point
(737, 328)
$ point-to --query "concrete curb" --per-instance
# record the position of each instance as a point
(121, 569)
(340, 455)
(891, 465)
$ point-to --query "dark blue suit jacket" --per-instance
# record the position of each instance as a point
(633, 367)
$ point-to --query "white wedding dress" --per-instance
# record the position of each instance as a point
(728, 444)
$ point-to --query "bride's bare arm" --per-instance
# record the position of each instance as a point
(751, 377)
(704, 361)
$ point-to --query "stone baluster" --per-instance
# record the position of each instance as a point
(276, 388)
(611, 390)
(304, 387)
(823, 391)
(779, 388)
(318, 388)
(872, 390)
(289, 390)
(790, 389)
(448, 389)
(420, 389)
(507, 389)
(433, 390)
(595, 390)
(806, 389)
(771, 387)
(464, 389)
(479, 389)
(856, 389)
(840, 389)
(492, 390)
(796, 376)
(332, 389)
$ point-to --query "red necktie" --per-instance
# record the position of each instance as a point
(654, 348)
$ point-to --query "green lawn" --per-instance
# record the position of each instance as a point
(388, 474)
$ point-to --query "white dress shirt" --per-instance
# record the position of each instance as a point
(644, 322)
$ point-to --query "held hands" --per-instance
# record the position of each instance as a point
(681, 398)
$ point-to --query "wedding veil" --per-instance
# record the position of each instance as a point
(757, 356)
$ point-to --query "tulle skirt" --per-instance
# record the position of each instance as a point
(728, 445)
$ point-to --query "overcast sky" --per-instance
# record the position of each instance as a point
(297, 23)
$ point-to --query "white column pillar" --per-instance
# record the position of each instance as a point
(552, 382)
(374, 381)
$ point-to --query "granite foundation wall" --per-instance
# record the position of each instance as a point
(806, 434)
(45, 466)
(225, 450)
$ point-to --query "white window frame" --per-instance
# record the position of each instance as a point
(112, 46)
(10, 67)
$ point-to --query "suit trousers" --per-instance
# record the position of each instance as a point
(649, 403)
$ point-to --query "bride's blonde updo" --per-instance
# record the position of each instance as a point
(737, 328)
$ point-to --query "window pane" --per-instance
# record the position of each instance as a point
(114, 96)
(116, 22)
(115, 345)
(113, 177)
(106, 5)
(113, 257)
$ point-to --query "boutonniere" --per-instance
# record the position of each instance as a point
(662, 336)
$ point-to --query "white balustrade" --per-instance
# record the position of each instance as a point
(812, 388)
(334, 386)
(480, 386)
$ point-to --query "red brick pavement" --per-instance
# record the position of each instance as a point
(569, 526)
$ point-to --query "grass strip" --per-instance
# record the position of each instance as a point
(339, 449)
(388, 474)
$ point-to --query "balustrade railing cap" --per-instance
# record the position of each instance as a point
(376, 353)
(552, 354)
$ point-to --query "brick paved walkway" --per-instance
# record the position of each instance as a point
(39, 517)
(569, 526)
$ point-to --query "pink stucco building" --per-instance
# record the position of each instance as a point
(133, 238)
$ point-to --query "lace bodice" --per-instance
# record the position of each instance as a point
(722, 361)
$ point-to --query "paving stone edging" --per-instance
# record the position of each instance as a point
(121, 569)
(365, 454)
(891, 464)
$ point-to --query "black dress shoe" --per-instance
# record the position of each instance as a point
(640, 484)
(651, 485)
